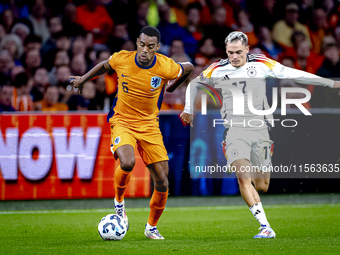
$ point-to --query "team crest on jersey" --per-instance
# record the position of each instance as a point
(117, 140)
(234, 152)
(155, 82)
(251, 71)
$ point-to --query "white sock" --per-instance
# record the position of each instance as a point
(259, 214)
(119, 203)
(148, 226)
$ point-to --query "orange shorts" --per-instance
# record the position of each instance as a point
(149, 141)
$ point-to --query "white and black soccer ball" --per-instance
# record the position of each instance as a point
(112, 227)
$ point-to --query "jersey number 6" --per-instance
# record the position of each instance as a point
(125, 88)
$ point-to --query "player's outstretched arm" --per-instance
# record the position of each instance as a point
(336, 85)
(173, 84)
(283, 72)
(79, 81)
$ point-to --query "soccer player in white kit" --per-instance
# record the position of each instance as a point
(245, 145)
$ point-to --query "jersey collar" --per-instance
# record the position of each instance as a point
(145, 67)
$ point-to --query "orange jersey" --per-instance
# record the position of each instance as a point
(140, 89)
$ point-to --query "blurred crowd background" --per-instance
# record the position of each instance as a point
(42, 43)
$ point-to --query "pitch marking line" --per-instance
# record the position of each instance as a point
(172, 209)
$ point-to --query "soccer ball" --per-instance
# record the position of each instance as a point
(112, 227)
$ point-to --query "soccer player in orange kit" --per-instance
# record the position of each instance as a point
(142, 79)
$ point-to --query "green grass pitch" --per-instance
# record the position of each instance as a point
(300, 229)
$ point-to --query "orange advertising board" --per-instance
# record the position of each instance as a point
(61, 156)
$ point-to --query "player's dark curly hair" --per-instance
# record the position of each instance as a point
(151, 31)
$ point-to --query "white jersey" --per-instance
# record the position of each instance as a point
(249, 81)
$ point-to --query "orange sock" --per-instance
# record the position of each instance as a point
(157, 205)
(122, 179)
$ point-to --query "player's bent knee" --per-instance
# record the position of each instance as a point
(162, 182)
(162, 185)
(244, 182)
(262, 189)
(262, 186)
(127, 165)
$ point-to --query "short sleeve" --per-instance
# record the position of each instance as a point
(113, 59)
(175, 69)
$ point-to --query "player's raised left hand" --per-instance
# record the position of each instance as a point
(77, 82)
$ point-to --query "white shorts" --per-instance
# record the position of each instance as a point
(253, 145)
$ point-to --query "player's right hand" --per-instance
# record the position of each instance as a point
(76, 81)
(187, 118)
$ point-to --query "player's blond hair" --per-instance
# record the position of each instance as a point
(237, 36)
